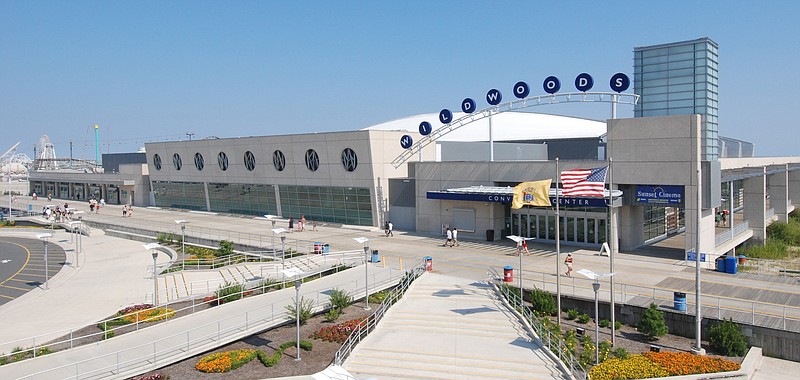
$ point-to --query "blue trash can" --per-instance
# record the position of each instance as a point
(730, 265)
(375, 256)
(680, 301)
(720, 264)
(326, 248)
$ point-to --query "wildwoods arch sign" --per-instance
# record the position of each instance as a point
(584, 82)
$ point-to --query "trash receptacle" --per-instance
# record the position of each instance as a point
(326, 248)
(428, 263)
(680, 301)
(375, 257)
(317, 247)
(742, 259)
(489, 235)
(719, 264)
(730, 265)
(508, 273)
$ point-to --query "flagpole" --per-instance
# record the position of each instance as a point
(612, 248)
(558, 246)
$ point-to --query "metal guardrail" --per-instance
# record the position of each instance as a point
(728, 234)
(70, 338)
(371, 322)
(141, 358)
(756, 313)
(550, 341)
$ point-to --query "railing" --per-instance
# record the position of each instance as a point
(552, 342)
(138, 359)
(68, 337)
(756, 313)
(369, 324)
(728, 234)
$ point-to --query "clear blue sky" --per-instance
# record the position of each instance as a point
(153, 70)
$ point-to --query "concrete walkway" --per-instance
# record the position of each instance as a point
(446, 327)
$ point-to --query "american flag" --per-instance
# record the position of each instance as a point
(584, 182)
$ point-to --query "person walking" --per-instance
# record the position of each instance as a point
(291, 224)
(568, 263)
(386, 228)
(314, 225)
(302, 224)
(449, 240)
(124, 210)
(525, 247)
(391, 228)
(455, 236)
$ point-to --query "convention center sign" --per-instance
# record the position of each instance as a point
(507, 198)
(659, 195)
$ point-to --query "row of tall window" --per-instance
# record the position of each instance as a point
(312, 161)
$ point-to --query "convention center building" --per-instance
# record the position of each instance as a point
(669, 172)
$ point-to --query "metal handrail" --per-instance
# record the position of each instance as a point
(255, 319)
(371, 322)
(247, 286)
(552, 343)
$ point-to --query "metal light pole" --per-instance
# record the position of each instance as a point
(297, 283)
(596, 286)
(154, 247)
(183, 242)
(282, 232)
(518, 240)
(365, 241)
(43, 238)
(271, 218)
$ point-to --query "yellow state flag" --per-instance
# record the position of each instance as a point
(536, 193)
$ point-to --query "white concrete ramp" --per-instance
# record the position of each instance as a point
(450, 328)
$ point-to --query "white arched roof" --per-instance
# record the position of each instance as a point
(506, 126)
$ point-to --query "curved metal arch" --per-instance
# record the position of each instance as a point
(517, 104)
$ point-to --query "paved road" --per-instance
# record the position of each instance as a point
(22, 266)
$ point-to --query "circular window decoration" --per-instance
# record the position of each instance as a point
(198, 161)
(278, 160)
(222, 160)
(349, 159)
(176, 161)
(249, 160)
(312, 160)
(157, 161)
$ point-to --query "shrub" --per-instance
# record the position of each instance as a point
(605, 350)
(604, 323)
(684, 363)
(726, 339)
(305, 310)
(340, 299)
(621, 353)
(617, 325)
(570, 341)
(543, 302)
(652, 323)
(332, 315)
(771, 249)
(572, 314)
(583, 318)
(587, 353)
(225, 248)
(635, 367)
(228, 292)
(379, 296)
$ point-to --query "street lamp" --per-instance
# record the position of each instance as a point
(80, 230)
(282, 232)
(44, 237)
(183, 242)
(72, 229)
(596, 286)
(518, 240)
(154, 247)
(365, 241)
(272, 218)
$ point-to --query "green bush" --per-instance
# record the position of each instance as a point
(621, 353)
(332, 315)
(583, 318)
(772, 249)
(788, 233)
(225, 248)
(340, 299)
(572, 314)
(228, 292)
(543, 302)
(652, 323)
(726, 339)
(604, 323)
(378, 297)
(305, 310)
(617, 325)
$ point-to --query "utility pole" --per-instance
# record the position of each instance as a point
(190, 134)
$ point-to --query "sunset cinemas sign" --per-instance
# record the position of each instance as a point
(583, 82)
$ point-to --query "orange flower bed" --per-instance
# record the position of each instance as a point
(684, 363)
(225, 361)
